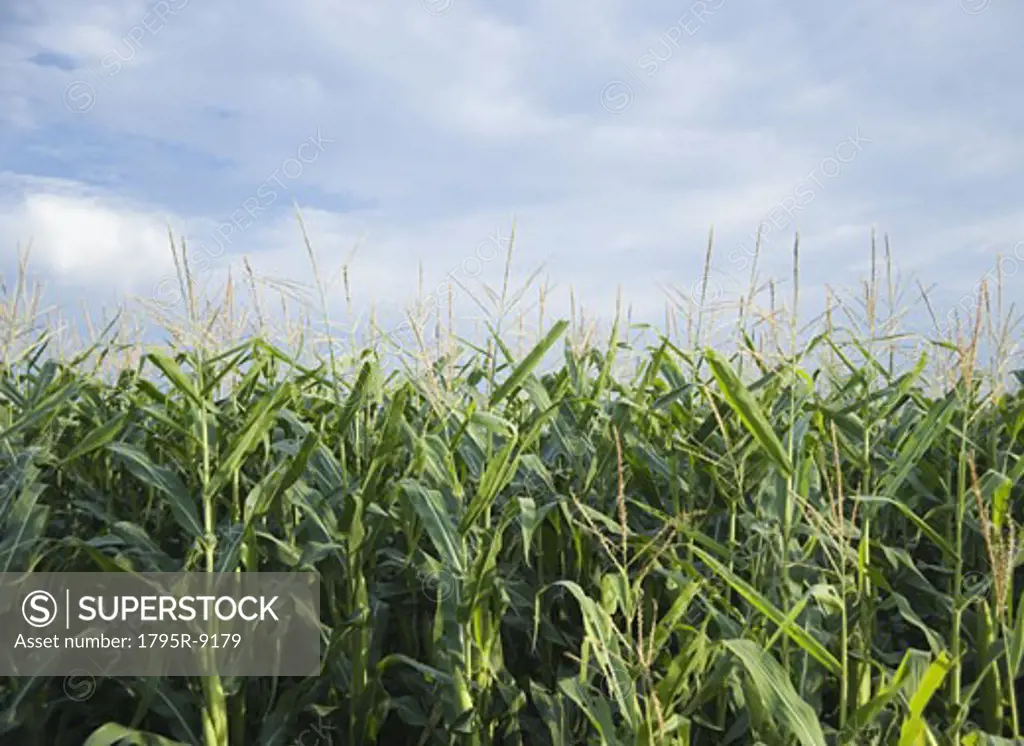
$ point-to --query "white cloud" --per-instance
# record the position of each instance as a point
(88, 240)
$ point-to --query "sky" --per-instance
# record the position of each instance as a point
(614, 135)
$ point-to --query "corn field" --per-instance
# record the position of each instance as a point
(761, 545)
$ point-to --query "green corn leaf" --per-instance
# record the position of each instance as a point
(775, 693)
(914, 726)
(183, 506)
(113, 734)
(530, 362)
(749, 411)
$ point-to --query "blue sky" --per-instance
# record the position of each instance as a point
(614, 133)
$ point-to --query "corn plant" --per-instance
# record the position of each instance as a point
(813, 545)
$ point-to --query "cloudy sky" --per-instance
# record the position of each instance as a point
(615, 135)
